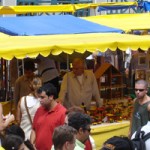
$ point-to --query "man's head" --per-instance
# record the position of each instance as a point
(64, 138)
(47, 94)
(81, 122)
(72, 109)
(15, 130)
(141, 88)
(78, 66)
(117, 143)
(29, 67)
(13, 142)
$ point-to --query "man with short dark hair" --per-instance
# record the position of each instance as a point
(81, 122)
(49, 116)
(22, 84)
(64, 138)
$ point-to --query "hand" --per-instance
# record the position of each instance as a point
(9, 117)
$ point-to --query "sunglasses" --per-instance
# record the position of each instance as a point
(140, 90)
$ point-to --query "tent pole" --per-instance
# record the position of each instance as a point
(67, 63)
(23, 66)
(8, 89)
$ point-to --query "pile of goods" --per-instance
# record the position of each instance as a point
(112, 111)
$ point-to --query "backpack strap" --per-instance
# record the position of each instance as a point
(139, 133)
(139, 137)
(146, 137)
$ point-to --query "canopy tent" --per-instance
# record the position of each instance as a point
(31, 46)
(2, 35)
(144, 5)
(126, 22)
(36, 9)
(53, 24)
(58, 8)
(118, 5)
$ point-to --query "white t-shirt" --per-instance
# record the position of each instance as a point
(146, 129)
(80, 78)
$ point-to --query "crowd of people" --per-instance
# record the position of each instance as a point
(49, 119)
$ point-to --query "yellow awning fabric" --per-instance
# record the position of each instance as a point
(30, 46)
(126, 22)
(2, 35)
(56, 8)
(94, 5)
(36, 9)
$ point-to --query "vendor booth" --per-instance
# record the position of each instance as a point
(79, 37)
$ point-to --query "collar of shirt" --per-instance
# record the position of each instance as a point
(80, 144)
(55, 109)
(26, 79)
(84, 75)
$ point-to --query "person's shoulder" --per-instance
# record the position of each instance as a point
(22, 99)
(40, 110)
(61, 107)
(148, 97)
(20, 78)
(148, 105)
(79, 145)
(88, 72)
(69, 74)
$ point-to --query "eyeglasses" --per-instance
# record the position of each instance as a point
(140, 90)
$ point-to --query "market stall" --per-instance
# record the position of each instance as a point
(31, 46)
(61, 8)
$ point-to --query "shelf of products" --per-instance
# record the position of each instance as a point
(110, 82)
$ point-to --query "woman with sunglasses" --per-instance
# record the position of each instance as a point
(141, 107)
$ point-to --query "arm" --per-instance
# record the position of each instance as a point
(129, 134)
(5, 123)
(33, 132)
(33, 137)
(18, 114)
(148, 108)
(16, 92)
(63, 89)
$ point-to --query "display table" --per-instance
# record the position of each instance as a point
(102, 132)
